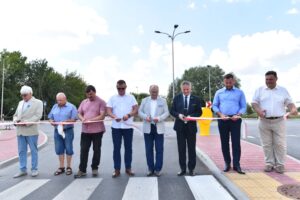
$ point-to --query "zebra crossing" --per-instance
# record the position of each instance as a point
(202, 187)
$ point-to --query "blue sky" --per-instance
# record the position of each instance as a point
(109, 40)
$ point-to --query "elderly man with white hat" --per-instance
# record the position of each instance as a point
(29, 111)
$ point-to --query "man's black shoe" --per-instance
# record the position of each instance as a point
(226, 168)
(238, 170)
(181, 173)
(192, 173)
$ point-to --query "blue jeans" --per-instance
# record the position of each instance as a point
(150, 139)
(117, 135)
(64, 145)
(23, 142)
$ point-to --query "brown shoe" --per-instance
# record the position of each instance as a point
(279, 169)
(268, 168)
(129, 172)
(116, 173)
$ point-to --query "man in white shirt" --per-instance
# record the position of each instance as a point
(154, 110)
(122, 107)
(270, 102)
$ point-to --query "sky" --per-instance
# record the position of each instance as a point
(108, 40)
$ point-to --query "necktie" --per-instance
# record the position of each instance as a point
(185, 105)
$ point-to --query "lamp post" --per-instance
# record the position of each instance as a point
(2, 89)
(173, 36)
(209, 88)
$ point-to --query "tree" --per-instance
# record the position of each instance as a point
(199, 76)
(139, 96)
(44, 80)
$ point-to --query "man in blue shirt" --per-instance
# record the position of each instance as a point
(63, 111)
(229, 104)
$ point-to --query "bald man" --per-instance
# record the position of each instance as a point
(63, 111)
(153, 111)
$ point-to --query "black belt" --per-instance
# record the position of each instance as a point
(273, 117)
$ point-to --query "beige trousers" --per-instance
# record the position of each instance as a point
(273, 139)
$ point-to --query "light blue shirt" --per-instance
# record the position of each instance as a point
(230, 102)
(60, 114)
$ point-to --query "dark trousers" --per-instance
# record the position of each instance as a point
(186, 138)
(117, 135)
(231, 128)
(150, 139)
(85, 143)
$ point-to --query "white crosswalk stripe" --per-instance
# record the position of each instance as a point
(22, 189)
(79, 189)
(141, 188)
(203, 187)
(207, 187)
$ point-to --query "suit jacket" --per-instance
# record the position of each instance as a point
(162, 112)
(33, 113)
(194, 110)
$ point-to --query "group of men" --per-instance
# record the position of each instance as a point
(229, 104)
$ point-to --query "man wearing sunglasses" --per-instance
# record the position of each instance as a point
(122, 107)
(29, 110)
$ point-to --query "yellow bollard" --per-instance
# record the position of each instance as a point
(205, 124)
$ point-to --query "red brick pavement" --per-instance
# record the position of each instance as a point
(8, 144)
(252, 158)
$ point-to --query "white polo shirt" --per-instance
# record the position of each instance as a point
(274, 101)
(122, 105)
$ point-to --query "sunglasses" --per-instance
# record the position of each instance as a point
(121, 88)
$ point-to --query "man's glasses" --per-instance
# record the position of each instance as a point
(23, 95)
(121, 88)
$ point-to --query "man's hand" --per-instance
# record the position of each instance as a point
(125, 117)
(224, 117)
(261, 113)
(181, 116)
(235, 117)
(148, 119)
(156, 119)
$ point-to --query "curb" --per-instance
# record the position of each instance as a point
(16, 158)
(232, 188)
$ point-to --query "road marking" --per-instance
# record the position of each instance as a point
(79, 189)
(293, 136)
(207, 187)
(251, 137)
(141, 188)
(22, 189)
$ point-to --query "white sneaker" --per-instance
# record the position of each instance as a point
(19, 174)
(34, 173)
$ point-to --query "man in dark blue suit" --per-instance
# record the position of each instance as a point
(186, 104)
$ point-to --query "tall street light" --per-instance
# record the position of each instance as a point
(2, 89)
(173, 36)
(209, 88)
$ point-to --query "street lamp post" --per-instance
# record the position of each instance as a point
(173, 36)
(209, 88)
(2, 90)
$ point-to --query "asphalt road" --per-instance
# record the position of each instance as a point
(169, 185)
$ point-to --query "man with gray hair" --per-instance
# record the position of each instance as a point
(63, 111)
(29, 111)
(153, 111)
(186, 104)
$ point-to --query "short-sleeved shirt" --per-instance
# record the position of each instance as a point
(63, 113)
(122, 105)
(90, 109)
(273, 101)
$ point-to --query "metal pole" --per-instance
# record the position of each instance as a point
(2, 90)
(209, 92)
(173, 67)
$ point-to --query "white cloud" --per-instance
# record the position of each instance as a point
(135, 50)
(292, 11)
(140, 29)
(41, 29)
(295, 1)
(192, 5)
(250, 56)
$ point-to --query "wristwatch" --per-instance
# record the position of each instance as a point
(129, 115)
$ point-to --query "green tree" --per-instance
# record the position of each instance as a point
(139, 96)
(199, 76)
